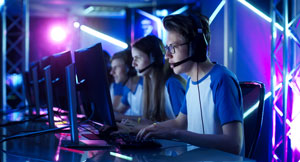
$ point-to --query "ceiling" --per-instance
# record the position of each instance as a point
(100, 7)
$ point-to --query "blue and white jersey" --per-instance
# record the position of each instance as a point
(116, 89)
(220, 99)
(174, 95)
(134, 100)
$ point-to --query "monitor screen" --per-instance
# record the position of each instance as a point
(58, 75)
(28, 79)
(45, 61)
(93, 84)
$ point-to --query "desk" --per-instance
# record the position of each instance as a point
(47, 147)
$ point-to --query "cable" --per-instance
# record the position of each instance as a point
(28, 131)
(38, 133)
(32, 133)
(17, 133)
(25, 135)
(200, 103)
(22, 121)
(41, 132)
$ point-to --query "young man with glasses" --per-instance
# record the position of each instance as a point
(211, 114)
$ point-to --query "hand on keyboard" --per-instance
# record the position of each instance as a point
(129, 142)
(125, 129)
(106, 131)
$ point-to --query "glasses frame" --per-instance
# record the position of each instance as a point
(171, 46)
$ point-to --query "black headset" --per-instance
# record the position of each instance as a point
(156, 54)
(198, 45)
(130, 70)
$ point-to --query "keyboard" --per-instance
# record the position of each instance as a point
(123, 141)
(128, 141)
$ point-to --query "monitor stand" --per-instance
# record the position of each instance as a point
(49, 92)
(36, 92)
(71, 89)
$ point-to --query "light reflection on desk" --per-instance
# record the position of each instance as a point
(48, 147)
(172, 151)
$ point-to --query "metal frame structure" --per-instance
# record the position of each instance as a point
(230, 35)
(15, 49)
(281, 93)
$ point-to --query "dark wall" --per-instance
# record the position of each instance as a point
(217, 39)
(253, 58)
(254, 64)
(253, 46)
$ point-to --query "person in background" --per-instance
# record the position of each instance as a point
(108, 66)
(115, 88)
(124, 73)
(163, 91)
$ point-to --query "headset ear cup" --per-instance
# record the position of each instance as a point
(131, 71)
(152, 58)
(127, 70)
(156, 57)
(197, 51)
(156, 54)
(198, 45)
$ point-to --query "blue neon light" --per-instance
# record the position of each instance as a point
(217, 10)
(264, 16)
(180, 10)
(2, 3)
(101, 35)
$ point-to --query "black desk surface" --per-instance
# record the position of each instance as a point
(48, 147)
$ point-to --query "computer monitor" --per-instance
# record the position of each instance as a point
(58, 75)
(45, 61)
(35, 86)
(29, 96)
(28, 86)
(93, 84)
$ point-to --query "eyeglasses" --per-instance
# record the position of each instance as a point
(171, 47)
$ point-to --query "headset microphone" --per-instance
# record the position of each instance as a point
(190, 56)
(181, 62)
(147, 67)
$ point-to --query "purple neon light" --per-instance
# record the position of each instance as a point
(58, 149)
(58, 34)
(293, 134)
(273, 129)
(278, 144)
(294, 109)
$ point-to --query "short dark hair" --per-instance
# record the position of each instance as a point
(187, 26)
(125, 55)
